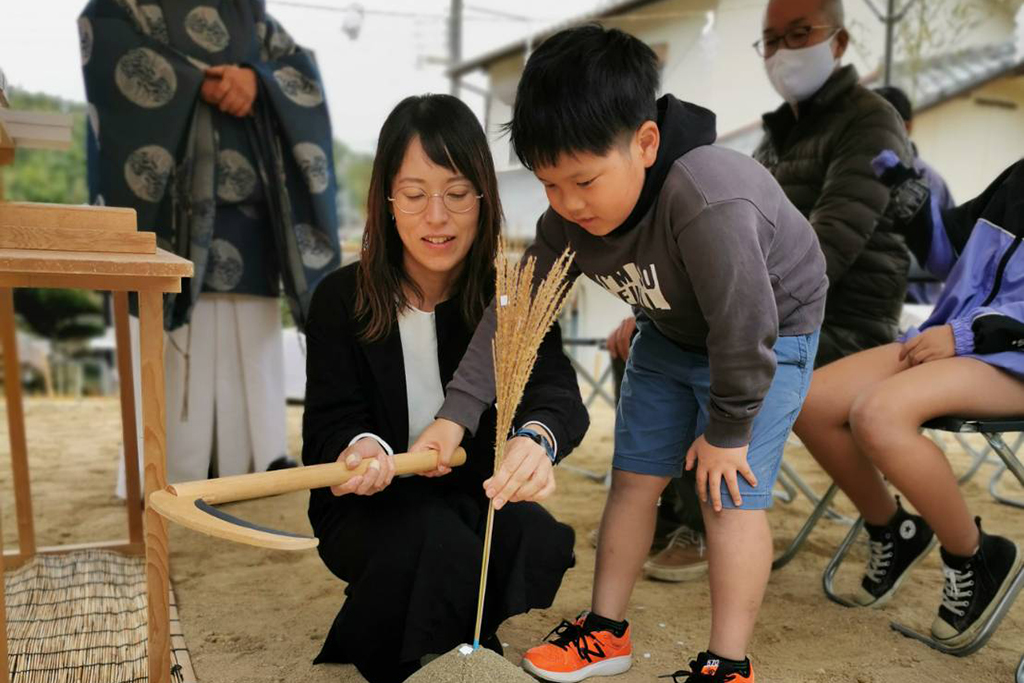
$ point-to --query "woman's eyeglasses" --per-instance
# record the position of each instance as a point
(455, 199)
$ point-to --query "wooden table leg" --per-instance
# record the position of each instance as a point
(128, 427)
(16, 426)
(154, 428)
(4, 672)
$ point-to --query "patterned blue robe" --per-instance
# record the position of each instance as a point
(250, 201)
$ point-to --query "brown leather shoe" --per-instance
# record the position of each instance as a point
(684, 558)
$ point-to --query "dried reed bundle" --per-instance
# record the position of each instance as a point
(523, 317)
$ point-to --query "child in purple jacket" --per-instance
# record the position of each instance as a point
(863, 414)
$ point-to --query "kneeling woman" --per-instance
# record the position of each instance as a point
(383, 339)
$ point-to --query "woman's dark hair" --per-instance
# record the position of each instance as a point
(452, 137)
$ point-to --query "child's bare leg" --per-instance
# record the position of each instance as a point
(627, 528)
(885, 423)
(739, 562)
(824, 427)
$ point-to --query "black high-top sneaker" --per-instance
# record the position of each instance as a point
(895, 548)
(974, 587)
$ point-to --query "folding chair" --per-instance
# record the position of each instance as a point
(993, 431)
(596, 385)
(788, 479)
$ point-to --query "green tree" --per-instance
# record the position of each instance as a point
(41, 175)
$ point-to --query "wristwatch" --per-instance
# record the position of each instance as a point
(538, 438)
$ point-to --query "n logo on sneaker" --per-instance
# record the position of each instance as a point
(908, 529)
(584, 651)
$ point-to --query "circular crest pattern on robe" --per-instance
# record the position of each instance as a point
(205, 27)
(314, 247)
(300, 89)
(313, 162)
(154, 16)
(146, 171)
(236, 178)
(224, 269)
(85, 39)
(145, 78)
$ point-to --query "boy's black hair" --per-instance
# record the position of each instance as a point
(581, 90)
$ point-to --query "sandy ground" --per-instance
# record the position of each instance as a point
(259, 616)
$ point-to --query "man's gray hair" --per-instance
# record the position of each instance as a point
(833, 9)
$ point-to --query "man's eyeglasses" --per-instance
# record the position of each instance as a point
(793, 39)
(455, 199)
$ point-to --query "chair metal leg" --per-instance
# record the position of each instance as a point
(993, 488)
(596, 385)
(589, 474)
(1020, 671)
(787, 494)
(987, 629)
(811, 495)
(1006, 454)
(599, 391)
(979, 456)
(812, 521)
(1009, 462)
(828, 578)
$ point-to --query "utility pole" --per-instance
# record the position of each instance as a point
(891, 18)
(455, 43)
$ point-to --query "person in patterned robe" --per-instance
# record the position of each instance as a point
(208, 120)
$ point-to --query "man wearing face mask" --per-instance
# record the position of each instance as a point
(819, 145)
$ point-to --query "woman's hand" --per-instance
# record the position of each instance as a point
(526, 473)
(935, 343)
(379, 472)
(232, 89)
(715, 464)
(443, 436)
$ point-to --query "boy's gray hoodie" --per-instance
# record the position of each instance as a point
(714, 254)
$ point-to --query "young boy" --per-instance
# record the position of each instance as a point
(728, 283)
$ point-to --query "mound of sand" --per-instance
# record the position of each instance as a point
(464, 665)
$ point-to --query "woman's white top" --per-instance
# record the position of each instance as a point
(424, 393)
(422, 373)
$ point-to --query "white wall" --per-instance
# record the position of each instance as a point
(969, 143)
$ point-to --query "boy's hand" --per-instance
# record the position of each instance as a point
(713, 465)
(379, 473)
(443, 436)
(935, 343)
(526, 473)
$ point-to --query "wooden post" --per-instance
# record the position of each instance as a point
(128, 426)
(4, 673)
(16, 426)
(151, 331)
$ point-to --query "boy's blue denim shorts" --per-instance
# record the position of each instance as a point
(663, 408)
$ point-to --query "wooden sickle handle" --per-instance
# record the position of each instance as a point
(262, 484)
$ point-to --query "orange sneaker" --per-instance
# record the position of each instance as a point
(576, 653)
(708, 669)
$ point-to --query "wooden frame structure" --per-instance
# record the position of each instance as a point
(92, 248)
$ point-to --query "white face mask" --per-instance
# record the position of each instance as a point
(798, 74)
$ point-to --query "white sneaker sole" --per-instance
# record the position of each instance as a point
(607, 667)
(676, 574)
